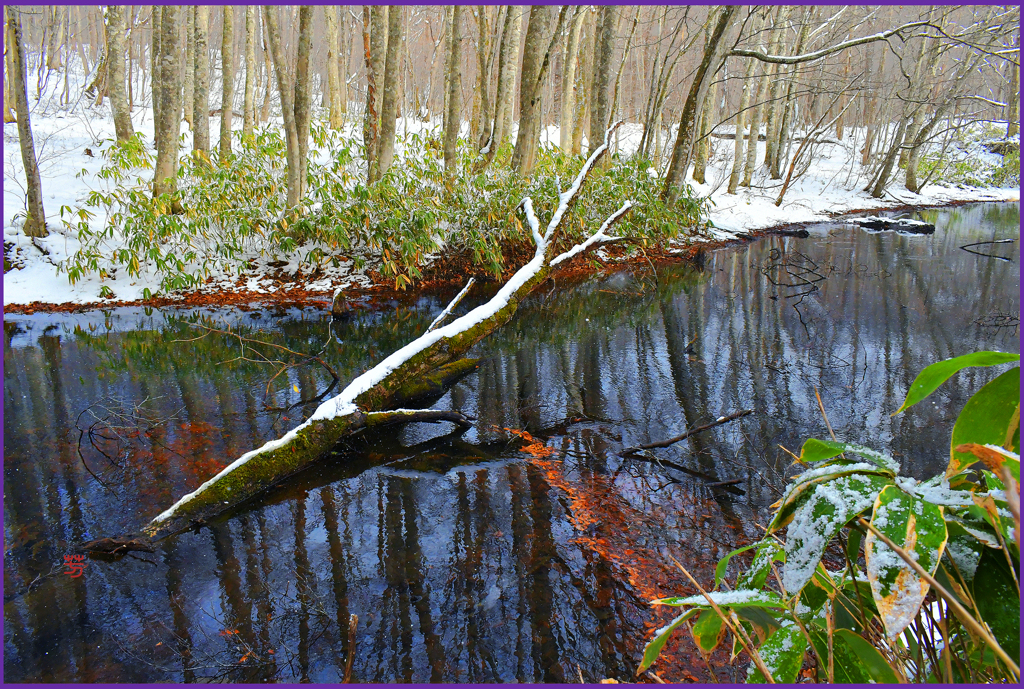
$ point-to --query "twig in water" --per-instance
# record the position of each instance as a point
(996, 241)
(672, 441)
(823, 414)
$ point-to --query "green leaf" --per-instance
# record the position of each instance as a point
(847, 668)
(998, 600)
(985, 418)
(933, 376)
(768, 551)
(783, 655)
(724, 562)
(853, 543)
(654, 646)
(919, 528)
(763, 622)
(815, 450)
(828, 508)
(877, 667)
(707, 630)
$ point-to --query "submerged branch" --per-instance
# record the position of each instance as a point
(672, 441)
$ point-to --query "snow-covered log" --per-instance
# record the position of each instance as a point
(425, 367)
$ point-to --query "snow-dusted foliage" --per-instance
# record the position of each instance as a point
(953, 535)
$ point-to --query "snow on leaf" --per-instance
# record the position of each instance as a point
(919, 528)
(783, 655)
(764, 599)
(828, 507)
(768, 551)
(801, 488)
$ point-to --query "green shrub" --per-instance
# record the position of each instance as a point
(229, 210)
(869, 622)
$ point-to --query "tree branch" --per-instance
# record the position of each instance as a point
(672, 441)
(824, 52)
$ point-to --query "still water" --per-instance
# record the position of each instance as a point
(487, 555)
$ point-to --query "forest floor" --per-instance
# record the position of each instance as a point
(69, 140)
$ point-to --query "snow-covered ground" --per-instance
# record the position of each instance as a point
(66, 136)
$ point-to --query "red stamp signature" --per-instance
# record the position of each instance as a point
(75, 565)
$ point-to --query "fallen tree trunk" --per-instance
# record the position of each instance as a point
(421, 369)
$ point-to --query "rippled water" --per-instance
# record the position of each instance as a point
(487, 555)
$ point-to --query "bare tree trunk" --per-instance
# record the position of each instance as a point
(604, 48)
(375, 48)
(1013, 102)
(267, 68)
(348, 30)
(287, 93)
(227, 71)
(702, 147)
(525, 151)
(775, 100)
(531, 88)
(760, 107)
(508, 113)
(115, 72)
(189, 79)
(249, 102)
(393, 69)
(615, 105)
(569, 61)
(714, 56)
(35, 217)
(303, 95)
(154, 56)
(166, 167)
(890, 159)
(8, 78)
(453, 78)
(201, 99)
(739, 153)
(483, 65)
(507, 62)
(333, 85)
(869, 101)
(584, 77)
(787, 102)
(55, 38)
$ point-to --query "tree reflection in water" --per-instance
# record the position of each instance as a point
(477, 556)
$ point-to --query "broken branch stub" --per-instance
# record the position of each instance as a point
(420, 369)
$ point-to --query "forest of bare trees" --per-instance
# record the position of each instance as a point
(897, 81)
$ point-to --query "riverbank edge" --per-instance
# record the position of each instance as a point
(445, 275)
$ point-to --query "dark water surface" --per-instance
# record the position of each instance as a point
(485, 556)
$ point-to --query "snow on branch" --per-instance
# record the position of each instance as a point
(534, 221)
(566, 197)
(598, 237)
(448, 309)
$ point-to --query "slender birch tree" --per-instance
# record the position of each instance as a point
(227, 70)
(35, 217)
(115, 28)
